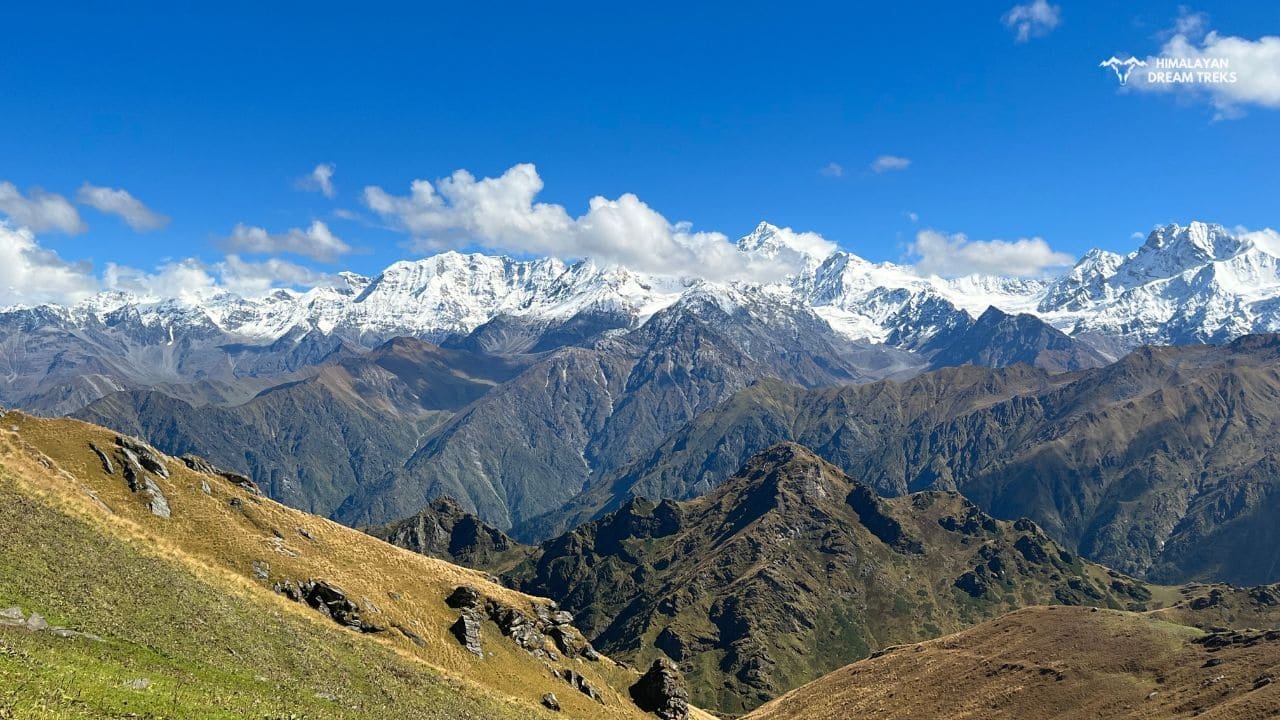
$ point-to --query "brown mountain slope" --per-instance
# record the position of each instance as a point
(314, 441)
(790, 569)
(1164, 465)
(181, 580)
(1054, 662)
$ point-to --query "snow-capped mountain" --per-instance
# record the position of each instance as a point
(1193, 284)
(1185, 284)
(1197, 283)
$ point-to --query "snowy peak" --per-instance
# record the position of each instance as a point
(1193, 283)
(804, 249)
(1196, 242)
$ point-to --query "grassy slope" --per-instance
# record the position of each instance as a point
(176, 602)
(1056, 662)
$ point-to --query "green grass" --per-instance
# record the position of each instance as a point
(207, 652)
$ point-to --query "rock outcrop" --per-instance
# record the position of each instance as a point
(150, 459)
(467, 631)
(331, 601)
(203, 466)
(138, 463)
(661, 691)
(529, 630)
(13, 617)
(576, 680)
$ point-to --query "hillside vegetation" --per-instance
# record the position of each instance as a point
(1064, 663)
(160, 603)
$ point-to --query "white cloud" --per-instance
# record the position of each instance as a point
(1254, 63)
(912, 216)
(501, 214)
(191, 279)
(118, 201)
(1266, 239)
(316, 242)
(1190, 24)
(256, 278)
(832, 170)
(954, 255)
(319, 180)
(1035, 19)
(31, 274)
(885, 163)
(186, 280)
(41, 211)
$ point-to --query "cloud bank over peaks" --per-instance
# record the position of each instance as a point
(502, 214)
(31, 274)
(315, 241)
(955, 255)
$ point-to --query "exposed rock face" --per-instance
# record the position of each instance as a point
(199, 464)
(138, 462)
(580, 683)
(790, 569)
(145, 454)
(467, 631)
(661, 691)
(330, 600)
(530, 631)
(550, 702)
(464, 596)
(156, 501)
(102, 458)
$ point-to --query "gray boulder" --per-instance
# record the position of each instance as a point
(146, 455)
(661, 691)
(467, 631)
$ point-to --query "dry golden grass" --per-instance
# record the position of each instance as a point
(1049, 662)
(52, 462)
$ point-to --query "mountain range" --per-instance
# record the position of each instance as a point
(1162, 465)
(1185, 284)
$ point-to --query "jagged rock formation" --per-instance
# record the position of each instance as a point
(530, 631)
(791, 568)
(661, 691)
(331, 601)
(444, 530)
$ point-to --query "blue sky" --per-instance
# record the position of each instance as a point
(713, 116)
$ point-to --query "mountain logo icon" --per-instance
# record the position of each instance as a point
(1122, 68)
